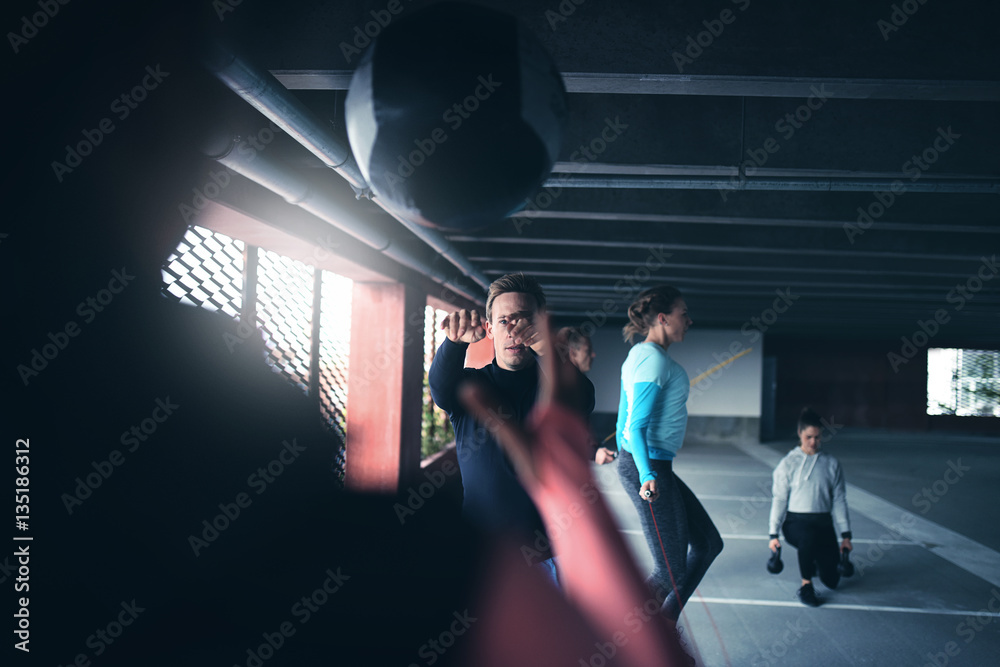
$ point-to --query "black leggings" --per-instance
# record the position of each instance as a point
(690, 539)
(816, 541)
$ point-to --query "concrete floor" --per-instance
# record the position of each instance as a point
(925, 514)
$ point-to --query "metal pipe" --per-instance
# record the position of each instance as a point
(261, 90)
(264, 93)
(716, 85)
(279, 178)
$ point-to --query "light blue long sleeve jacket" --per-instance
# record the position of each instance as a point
(652, 409)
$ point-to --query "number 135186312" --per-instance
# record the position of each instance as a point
(21, 484)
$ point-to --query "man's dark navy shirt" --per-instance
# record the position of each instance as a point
(494, 498)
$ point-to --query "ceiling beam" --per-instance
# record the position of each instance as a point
(785, 183)
(509, 263)
(597, 278)
(668, 247)
(738, 220)
(604, 291)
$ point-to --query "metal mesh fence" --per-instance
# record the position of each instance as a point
(335, 348)
(436, 431)
(284, 314)
(207, 270)
(965, 383)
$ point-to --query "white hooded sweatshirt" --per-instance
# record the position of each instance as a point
(808, 484)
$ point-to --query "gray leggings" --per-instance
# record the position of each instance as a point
(690, 539)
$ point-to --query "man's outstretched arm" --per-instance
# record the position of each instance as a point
(463, 327)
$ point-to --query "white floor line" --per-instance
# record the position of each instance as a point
(967, 554)
(684, 470)
(848, 607)
(763, 538)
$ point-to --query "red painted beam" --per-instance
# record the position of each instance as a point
(384, 386)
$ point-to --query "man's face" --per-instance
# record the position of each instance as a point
(510, 310)
(582, 355)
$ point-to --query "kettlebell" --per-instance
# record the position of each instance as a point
(774, 564)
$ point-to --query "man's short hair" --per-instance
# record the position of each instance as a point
(514, 282)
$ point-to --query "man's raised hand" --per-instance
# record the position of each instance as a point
(464, 326)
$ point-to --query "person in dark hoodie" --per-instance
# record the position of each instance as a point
(493, 497)
(809, 499)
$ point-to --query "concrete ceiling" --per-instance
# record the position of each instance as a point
(742, 166)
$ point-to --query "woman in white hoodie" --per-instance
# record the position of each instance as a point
(808, 500)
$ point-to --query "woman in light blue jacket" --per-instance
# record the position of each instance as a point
(652, 419)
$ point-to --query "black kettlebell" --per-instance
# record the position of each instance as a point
(774, 564)
(845, 567)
